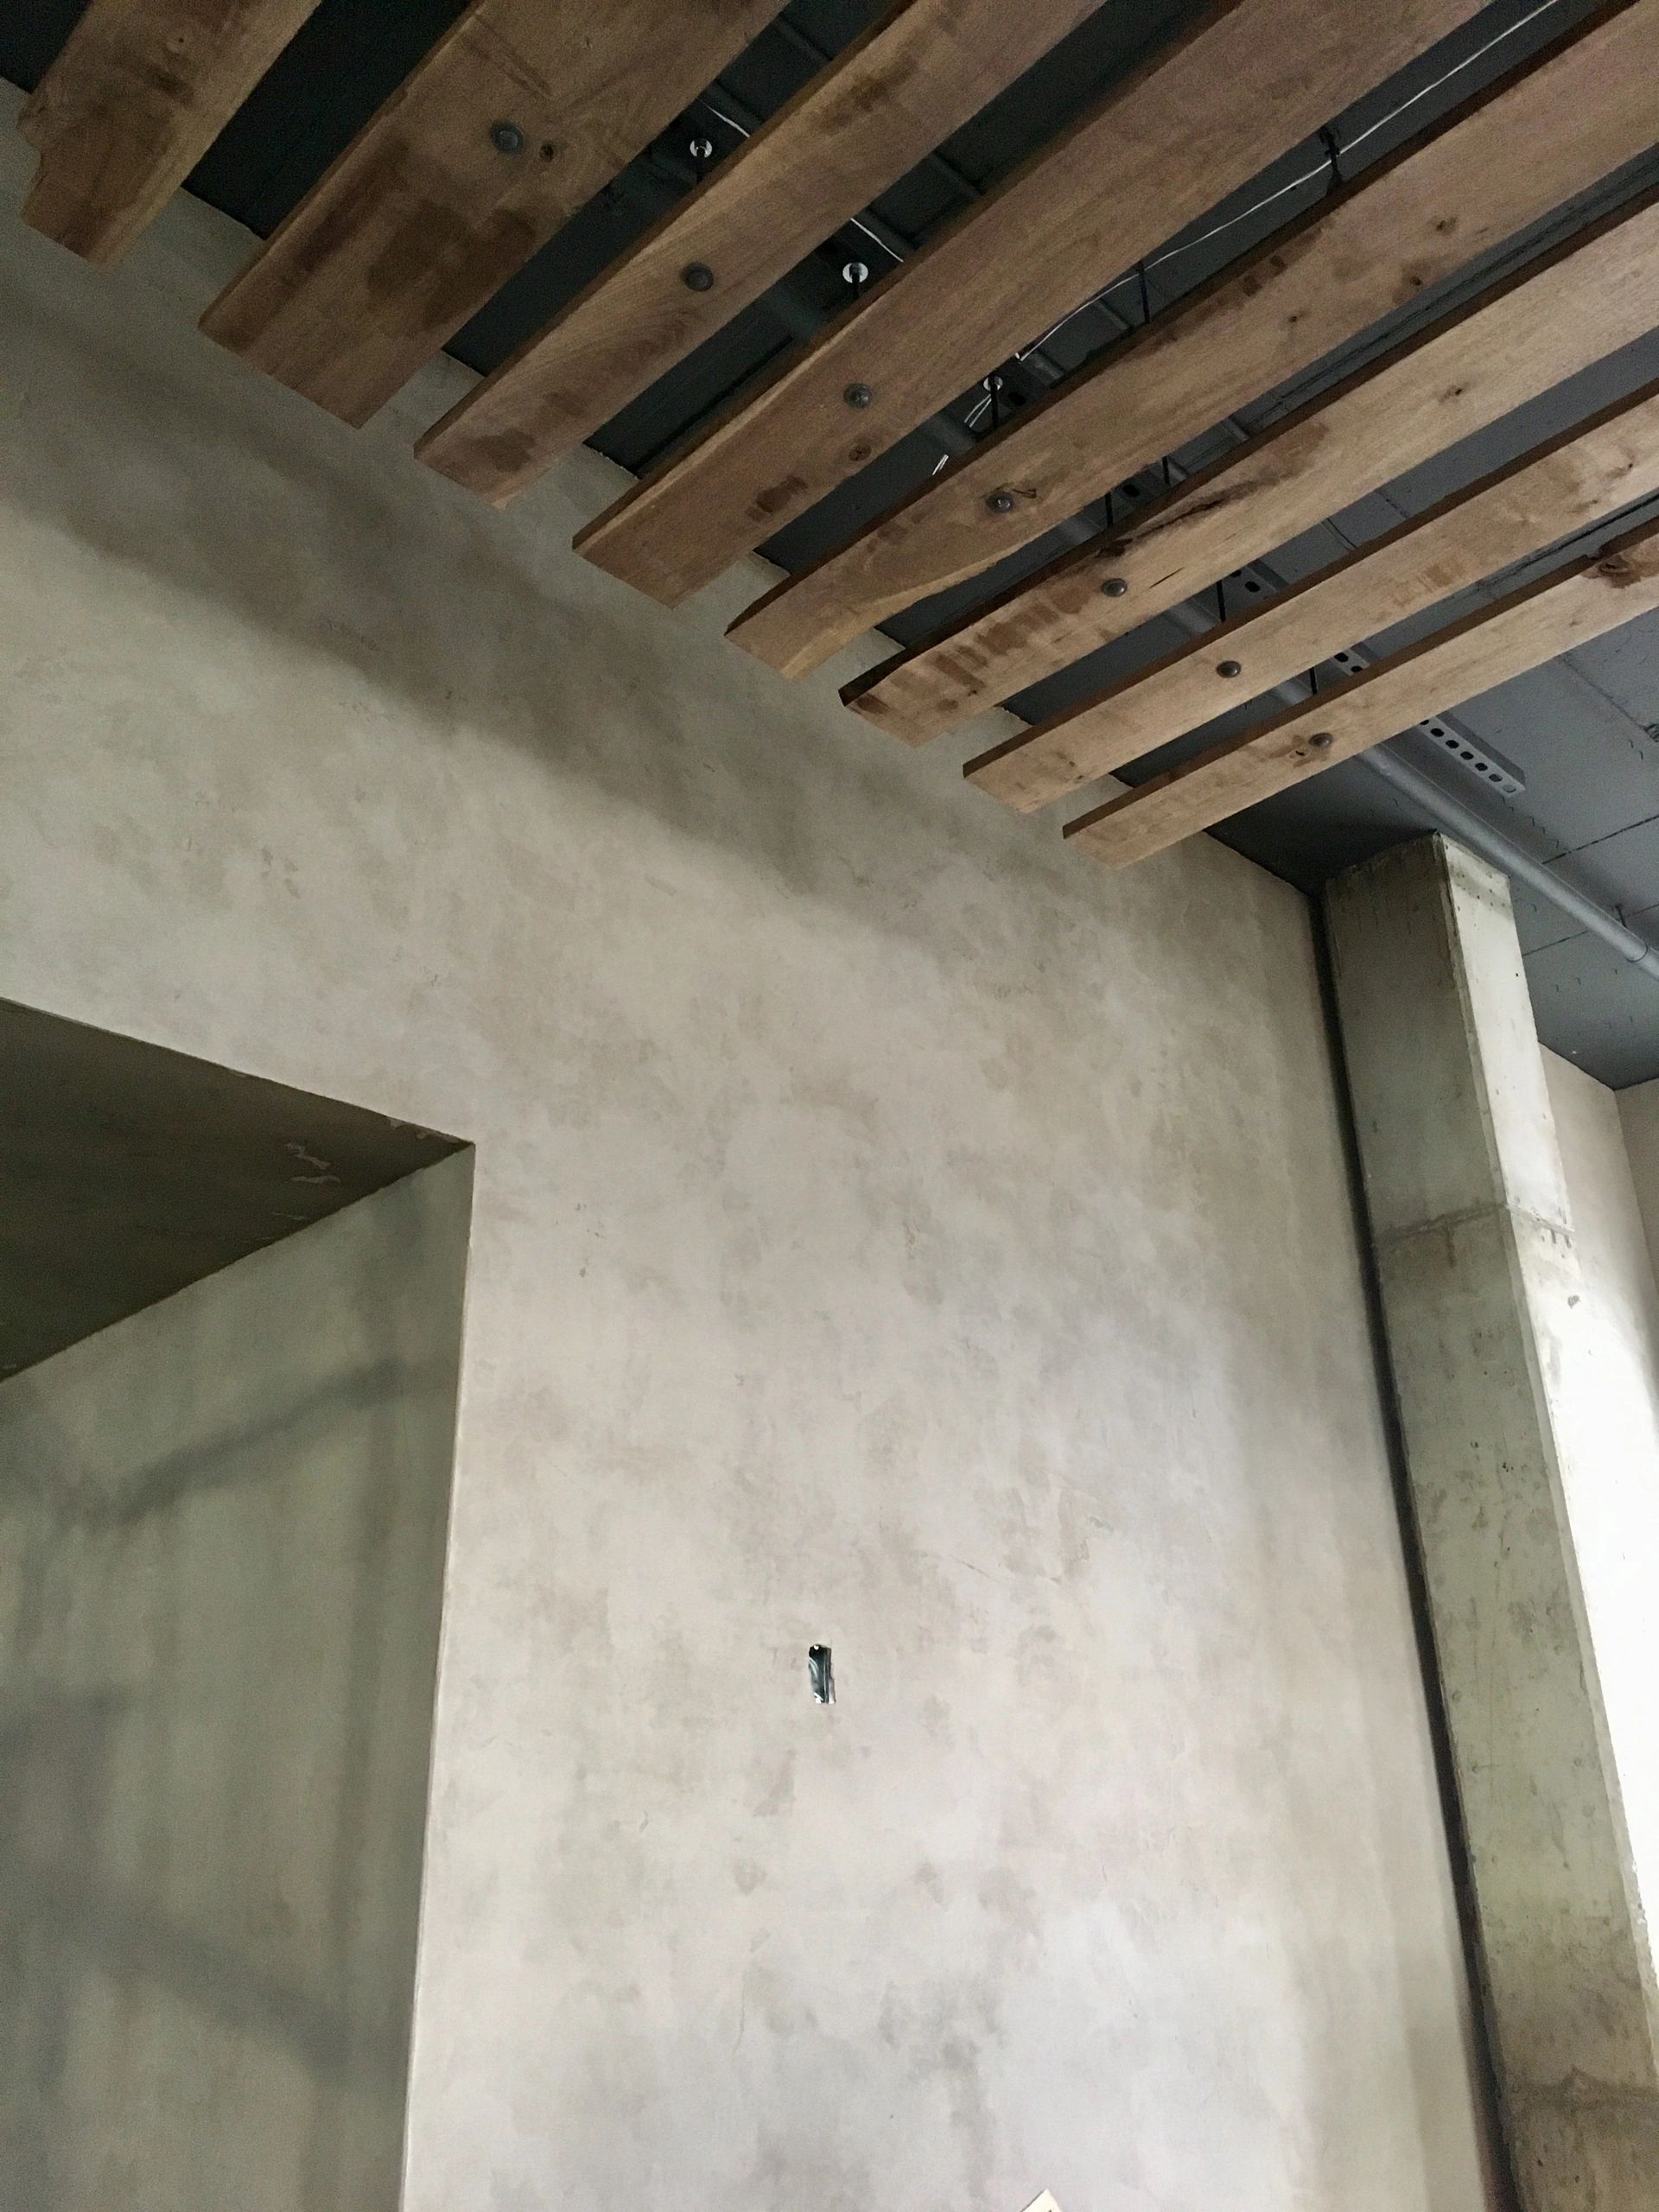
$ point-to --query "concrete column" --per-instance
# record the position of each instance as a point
(1480, 1286)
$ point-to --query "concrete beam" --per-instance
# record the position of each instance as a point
(1481, 1293)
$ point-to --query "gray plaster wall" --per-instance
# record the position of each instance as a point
(222, 1528)
(891, 1230)
(1615, 1497)
(1639, 1118)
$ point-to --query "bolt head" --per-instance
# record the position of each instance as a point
(702, 149)
(1321, 741)
(697, 277)
(506, 138)
(1116, 587)
(1001, 503)
(858, 395)
(1230, 668)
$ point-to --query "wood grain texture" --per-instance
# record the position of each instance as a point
(911, 79)
(1511, 342)
(1248, 79)
(138, 94)
(422, 216)
(1519, 632)
(1580, 478)
(1365, 252)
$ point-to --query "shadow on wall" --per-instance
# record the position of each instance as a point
(222, 1527)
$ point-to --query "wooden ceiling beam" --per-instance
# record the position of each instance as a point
(1205, 114)
(1510, 343)
(518, 115)
(914, 77)
(1583, 476)
(138, 94)
(1431, 210)
(1519, 632)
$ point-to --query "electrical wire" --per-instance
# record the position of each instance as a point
(854, 222)
(1336, 152)
(1468, 61)
(1331, 167)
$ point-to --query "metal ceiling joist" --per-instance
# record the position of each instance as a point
(1433, 208)
(1488, 647)
(909, 81)
(1262, 73)
(1511, 342)
(517, 117)
(1582, 477)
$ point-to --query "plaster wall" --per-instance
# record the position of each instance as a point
(1613, 1493)
(890, 1231)
(221, 1559)
(1639, 1116)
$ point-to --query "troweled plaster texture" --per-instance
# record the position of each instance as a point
(1616, 1528)
(890, 1231)
(221, 1564)
(1638, 1117)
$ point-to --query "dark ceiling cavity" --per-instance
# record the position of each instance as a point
(1562, 765)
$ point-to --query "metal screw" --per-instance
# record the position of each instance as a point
(1230, 668)
(855, 275)
(701, 151)
(1114, 587)
(506, 138)
(1001, 503)
(697, 277)
(1321, 741)
(858, 395)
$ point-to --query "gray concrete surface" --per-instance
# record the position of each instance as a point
(1486, 1303)
(222, 1529)
(891, 1230)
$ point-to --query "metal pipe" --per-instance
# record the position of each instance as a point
(1482, 836)
(1448, 812)
(804, 318)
